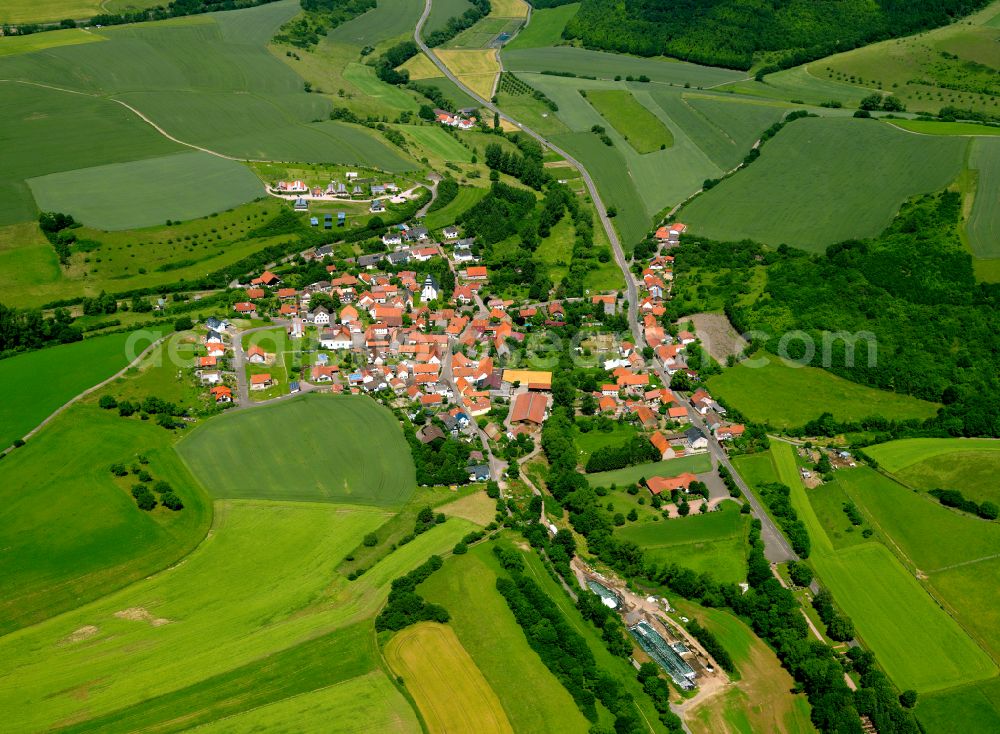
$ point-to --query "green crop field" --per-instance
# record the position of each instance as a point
(438, 142)
(801, 85)
(714, 543)
(973, 472)
(72, 532)
(468, 197)
(938, 127)
(895, 456)
(448, 687)
(263, 582)
(787, 469)
(47, 131)
(974, 708)
(971, 465)
(12, 45)
(363, 77)
(707, 133)
(763, 394)
(614, 183)
(724, 128)
(390, 18)
(606, 65)
(466, 586)
(143, 193)
(237, 98)
(318, 448)
(442, 11)
(41, 11)
(641, 128)
(545, 28)
(955, 552)
(917, 643)
(934, 537)
(36, 383)
(827, 502)
(806, 191)
(983, 225)
(336, 709)
(696, 464)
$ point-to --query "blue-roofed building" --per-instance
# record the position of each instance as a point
(327, 221)
(301, 204)
(313, 221)
(341, 219)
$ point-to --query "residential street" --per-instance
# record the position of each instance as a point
(776, 548)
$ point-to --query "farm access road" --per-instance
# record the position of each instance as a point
(776, 547)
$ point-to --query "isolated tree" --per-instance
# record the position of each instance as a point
(108, 402)
(371, 540)
(908, 698)
(172, 502)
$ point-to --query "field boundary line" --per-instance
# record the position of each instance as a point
(86, 392)
(922, 578)
(965, 563)
(141, 116)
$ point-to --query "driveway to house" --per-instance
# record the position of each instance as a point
(497, 466)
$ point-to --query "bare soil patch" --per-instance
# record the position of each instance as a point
(140, 614)
(717, 335)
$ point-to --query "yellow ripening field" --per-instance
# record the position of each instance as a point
(449, 689)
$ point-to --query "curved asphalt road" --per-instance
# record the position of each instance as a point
(776, 547)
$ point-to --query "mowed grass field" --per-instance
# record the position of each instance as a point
(896, 456)
(714, 543)
(263, 583)
(919, 645)
(821, 181)
(466, 586)
(438, 142)
(73, 533)
(787, 396)
(696, 464)
(312, 448)
(144, 193)
(938, 127)
(36, 383)
(641, 128)
(545, 27)
(449, 689)
(12, 45)
(468, 197)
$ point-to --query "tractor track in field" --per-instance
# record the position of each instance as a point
(142, 116)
